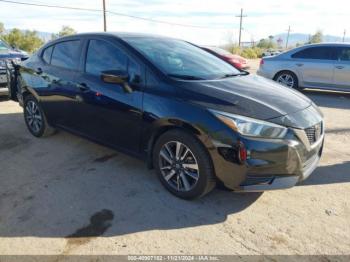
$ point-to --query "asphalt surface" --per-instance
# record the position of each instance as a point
(66, 195)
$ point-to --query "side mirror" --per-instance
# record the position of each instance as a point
(117, 77)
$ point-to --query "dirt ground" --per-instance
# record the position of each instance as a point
(66, 195)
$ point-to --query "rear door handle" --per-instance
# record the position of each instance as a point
(83, 87)
(300, 65)
(339, 67)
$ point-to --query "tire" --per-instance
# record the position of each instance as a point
(194, 165)
(33, 113)
(288, 79)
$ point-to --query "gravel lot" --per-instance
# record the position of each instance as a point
(66, 195)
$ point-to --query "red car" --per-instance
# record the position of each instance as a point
(235, 60)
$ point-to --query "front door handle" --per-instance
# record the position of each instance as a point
(339, 67)
(83, 87)
(300, 65)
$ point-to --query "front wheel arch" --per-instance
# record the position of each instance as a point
(173, 125)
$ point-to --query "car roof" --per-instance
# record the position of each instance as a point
(327, 44)
(121, 35)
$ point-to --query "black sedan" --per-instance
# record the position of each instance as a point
(193, 117)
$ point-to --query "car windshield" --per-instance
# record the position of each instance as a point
(179, 59)
(3, 46)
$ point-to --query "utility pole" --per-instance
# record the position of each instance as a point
(344, 35)
(104, 16)
(240, 26)
(288, 37)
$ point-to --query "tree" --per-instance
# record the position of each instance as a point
(66, 30)
(267, 44)
(316, 38)
(2, 28)
(24, 40)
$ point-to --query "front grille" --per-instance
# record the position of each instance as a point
(314, 133)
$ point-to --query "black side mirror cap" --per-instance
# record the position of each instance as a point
(117, 77)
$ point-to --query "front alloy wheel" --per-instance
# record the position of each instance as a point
(183, 164)
(178, 166)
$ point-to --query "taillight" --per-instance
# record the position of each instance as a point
(262, 62)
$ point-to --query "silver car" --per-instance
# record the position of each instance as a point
(321, 66)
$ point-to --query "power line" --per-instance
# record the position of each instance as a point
(240, 26)
(109, 12)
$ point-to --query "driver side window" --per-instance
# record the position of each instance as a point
(103, 56)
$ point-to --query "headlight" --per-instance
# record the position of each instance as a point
(250, 126)
(16, 60)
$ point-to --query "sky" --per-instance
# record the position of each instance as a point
(216, 18)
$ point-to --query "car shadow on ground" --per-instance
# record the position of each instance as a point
(65, 186)
(331, 174)
(3, 96)
(330, 99)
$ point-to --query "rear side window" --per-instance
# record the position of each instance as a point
(47, 54)
(344, 54)
(66, 54)
(322, 53)
(103, 56)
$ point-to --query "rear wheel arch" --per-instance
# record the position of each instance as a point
(292, 73)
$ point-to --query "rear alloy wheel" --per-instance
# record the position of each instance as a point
(287, 79)
(183, 165)
(35, 118)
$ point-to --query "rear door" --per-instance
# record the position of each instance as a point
(315, 65)
(342, 68)
(59, 69)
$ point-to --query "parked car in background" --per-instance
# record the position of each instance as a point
(321, 66)
(193, 117)
(235, 60)
(9, 57)
(271, 53)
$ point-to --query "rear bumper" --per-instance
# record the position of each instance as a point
(265, 73)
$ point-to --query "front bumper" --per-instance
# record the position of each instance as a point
(272, 164)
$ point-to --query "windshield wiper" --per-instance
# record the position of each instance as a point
(242, 73)
(186, 77)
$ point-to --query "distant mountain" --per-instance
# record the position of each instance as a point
(45, 36)
(303, 38)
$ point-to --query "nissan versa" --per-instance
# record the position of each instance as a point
(196, 119)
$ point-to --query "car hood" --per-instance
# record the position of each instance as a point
(251, 96)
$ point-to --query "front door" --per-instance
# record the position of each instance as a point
(342, 68)
(107, 112)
